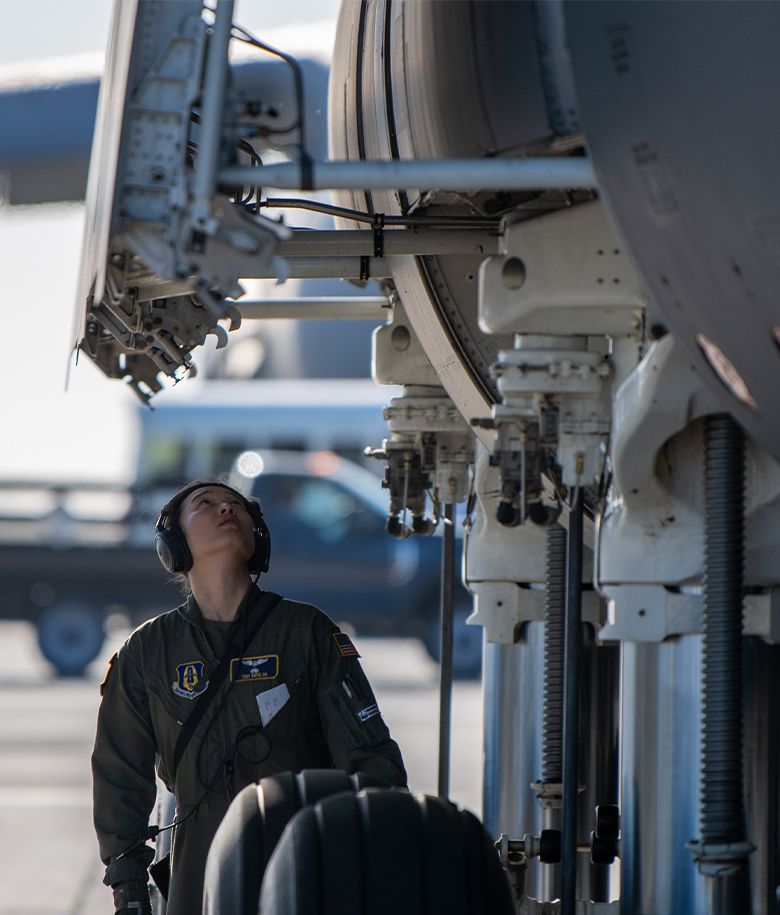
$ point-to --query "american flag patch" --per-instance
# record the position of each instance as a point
(345, 646)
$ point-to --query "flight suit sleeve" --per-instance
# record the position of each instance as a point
(123, 780)
(357, 737)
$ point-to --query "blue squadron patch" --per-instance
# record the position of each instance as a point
(190, 683)
(265, 667)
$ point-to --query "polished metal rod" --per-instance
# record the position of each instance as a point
(336, 308)
(571, 707)
(357, 242)
(536, 174)
(445, 682)
(212, 105)
(318, 268)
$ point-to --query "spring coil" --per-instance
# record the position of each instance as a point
(722, 812)
(554, 622)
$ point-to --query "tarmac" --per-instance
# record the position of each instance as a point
(49, 863)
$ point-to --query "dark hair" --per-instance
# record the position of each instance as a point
(172, 510)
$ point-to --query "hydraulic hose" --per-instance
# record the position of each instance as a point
(722, 814)
(554, 632)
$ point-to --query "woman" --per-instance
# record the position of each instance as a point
(272, 684)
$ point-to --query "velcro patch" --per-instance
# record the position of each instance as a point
(368, 712)
(108, 672)
(345, 646)
(266, 667)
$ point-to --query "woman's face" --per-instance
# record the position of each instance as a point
(215, 521)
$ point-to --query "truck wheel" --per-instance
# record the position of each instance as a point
(466, 645)
(251, 828)
(385, 851)
(70, 635)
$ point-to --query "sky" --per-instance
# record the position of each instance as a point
(51, 28)
(89, 432)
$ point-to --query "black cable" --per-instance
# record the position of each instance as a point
(299, 123)
(459, 222)
(246, 147)
(153, 831)
(254, 191)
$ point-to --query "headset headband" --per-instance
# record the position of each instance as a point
(177, 501)
(172, 547)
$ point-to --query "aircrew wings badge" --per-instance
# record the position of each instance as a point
(263, 668)
(190, 682)
(345, 646)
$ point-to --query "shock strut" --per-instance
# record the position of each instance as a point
(723, 849)
(554, 623)
(572, 653)
(550, 788)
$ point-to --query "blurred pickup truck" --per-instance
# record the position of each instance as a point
(73, 558)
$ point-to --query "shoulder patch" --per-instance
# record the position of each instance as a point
(189, 680)
(345, 646)
(108, 672)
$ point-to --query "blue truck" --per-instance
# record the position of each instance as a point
(73, 557)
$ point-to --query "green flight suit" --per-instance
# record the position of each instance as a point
(329, 720)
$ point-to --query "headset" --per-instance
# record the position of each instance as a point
(172, 545)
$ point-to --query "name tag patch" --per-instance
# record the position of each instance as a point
(368, 712)
(345, 646)
(265, 667)
(189, 680)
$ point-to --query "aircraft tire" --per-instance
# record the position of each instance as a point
(385, 851)
(253, 826)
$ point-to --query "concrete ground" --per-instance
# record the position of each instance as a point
(49, 863)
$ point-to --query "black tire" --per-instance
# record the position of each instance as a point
(384, 852)
(466, 645)
(251, 828)
(70, 636)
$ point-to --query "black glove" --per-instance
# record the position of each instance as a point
(128, 878)
(131, 897)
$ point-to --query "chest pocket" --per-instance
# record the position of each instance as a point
(297, 686)
(167, 717)
(293, 738)
(159, 695)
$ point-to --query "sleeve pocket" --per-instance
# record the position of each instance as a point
(358, 720)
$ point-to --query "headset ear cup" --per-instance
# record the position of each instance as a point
(173, 550)
(261, 557)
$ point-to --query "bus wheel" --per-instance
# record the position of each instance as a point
(70, 636)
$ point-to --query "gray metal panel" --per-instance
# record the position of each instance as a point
(674, 104)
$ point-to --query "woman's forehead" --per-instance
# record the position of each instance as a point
(219, 492)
